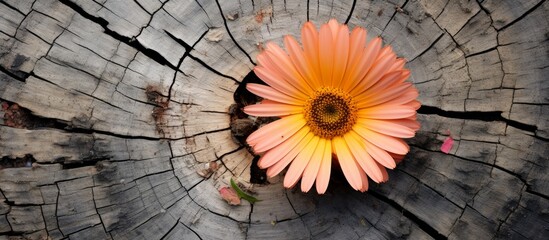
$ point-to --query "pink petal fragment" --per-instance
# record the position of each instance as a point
(447, 145)
(228, 194)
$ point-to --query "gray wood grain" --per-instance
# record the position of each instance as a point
(133, 98)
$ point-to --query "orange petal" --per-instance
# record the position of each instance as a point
(398, 158)
(340, 55)
(326, 54)
(388, 143)
(298, 59)
(280, 165)
(311, 171)
(380, 67)
(413, 104)
(275, 79)
(357, 75)
(275, 128)
(392, 127)
(357, 43)
(387, 82)
(381, 156)
(300, 163)
(362, 157)
(323, 177)
(309, 38)
(272, 109)
(277, 153)
(364, 180)
(404, 97)
(272, 94)
(384, 172)
(347, 162)
(398, 65)
(282, 62)
(334, 27)
(386, 111)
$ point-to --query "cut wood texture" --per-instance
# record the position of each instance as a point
(114, 110)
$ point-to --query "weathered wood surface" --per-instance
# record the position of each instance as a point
(124, 102)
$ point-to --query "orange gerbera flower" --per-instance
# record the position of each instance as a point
(337, 96)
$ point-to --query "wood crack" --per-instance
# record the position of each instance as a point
(476, 115)
(415, 219)
(522, 16)
(157, 57)
(231, 35)
(351, 12)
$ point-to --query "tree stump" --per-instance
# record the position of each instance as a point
(114, 111)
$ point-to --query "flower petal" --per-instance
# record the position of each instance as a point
(323, 177)
(384, 171)
(388, 143)
(309, 38)
(413, 104)
(282, 62)
(276, 128)
(362, 157)
(326, 55)
(340, 55)
(347, 162)
(272, 94)
(275, 79)
(398, 158)
(277, 137)
(357, 42)
(386, 111)
(311, 171)
(272, 109)
(387, 88)
(405, 98)
(334, 27)
(357, 73)
(364, 180)
(280, 165)
(380, 67)
(298, 59)
(392, 127)
(277, 153)
(398, 65)
(300, 163)
(381, 156)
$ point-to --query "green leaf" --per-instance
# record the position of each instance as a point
(242, 194)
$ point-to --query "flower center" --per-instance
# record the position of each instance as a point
(330, 112)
